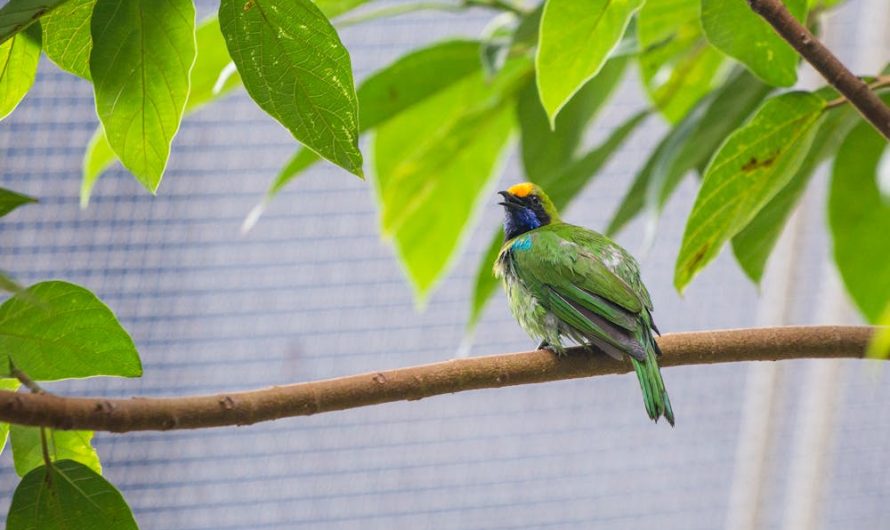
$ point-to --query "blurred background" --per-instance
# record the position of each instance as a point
(312, 292)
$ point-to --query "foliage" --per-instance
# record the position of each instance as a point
(441, 120)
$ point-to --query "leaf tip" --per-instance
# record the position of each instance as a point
(253, 216)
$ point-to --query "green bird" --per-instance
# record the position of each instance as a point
(568, 283)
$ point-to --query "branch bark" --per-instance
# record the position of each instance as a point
(851, 87)
(418, 382)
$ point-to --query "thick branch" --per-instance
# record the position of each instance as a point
(495, 371)
(851, 87)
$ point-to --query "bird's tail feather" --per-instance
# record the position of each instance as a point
(655, 397)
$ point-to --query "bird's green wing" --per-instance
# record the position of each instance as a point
(587, 282)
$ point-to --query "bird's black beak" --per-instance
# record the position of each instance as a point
(510, 200)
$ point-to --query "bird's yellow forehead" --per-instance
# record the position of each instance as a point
(521, 190)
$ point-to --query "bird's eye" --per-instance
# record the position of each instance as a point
(535, 199)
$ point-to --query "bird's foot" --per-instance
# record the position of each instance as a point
(544, 345)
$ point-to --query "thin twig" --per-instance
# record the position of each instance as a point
(851, 87)
(880, 82)
(418, 382)
(23, 378)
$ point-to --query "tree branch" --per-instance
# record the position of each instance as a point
(854, 89)
(418, 382)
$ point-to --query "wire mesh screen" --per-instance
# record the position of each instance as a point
(312, 292)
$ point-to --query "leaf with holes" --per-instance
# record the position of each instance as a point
(66, 495)
(732, 27)
(27, 451)
(576, 37)
(143, 51)
(295, 68)
(18, 67)
(66, 36)
(753, 245)
(859, 219)
(58, 330)
(750, 168)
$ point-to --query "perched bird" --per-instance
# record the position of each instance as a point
(568, 283)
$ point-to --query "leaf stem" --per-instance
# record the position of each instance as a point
(826, 63)
(879, 83)
(23, 378)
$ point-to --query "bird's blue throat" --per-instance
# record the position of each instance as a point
(520, 220)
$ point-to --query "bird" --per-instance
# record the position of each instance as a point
(567, 284)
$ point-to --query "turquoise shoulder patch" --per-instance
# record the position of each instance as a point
(523, 243)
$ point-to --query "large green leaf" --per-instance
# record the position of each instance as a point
(27, 450)
(576, 37)
(58, 330)
(753, 245)
(295, 67)
(434, 164)
(17, 15)
(689, 145)
(545, 150)
(18, 67)
(66, 36)
(561, 188)
(208, 83)
(734, 28)
(10, 200)
(751, 167)
(9, 385)
(860, 221)
(409, 80)
(677, 64)
(68, 495)
(141, 90)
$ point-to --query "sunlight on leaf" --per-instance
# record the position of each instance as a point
(27, 451)
(17, 15)
(66, 36)
(750, 168)
(58, 330)
(141, 93)
(576, 37)
(18, 67)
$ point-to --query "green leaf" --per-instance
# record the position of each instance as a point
(17, 15)
(408, 81)
(208, 83)
(750, 168)
(18, 67)
(295, 68)
(735, 29)
(879, 347)
(58, 330)
(561, 189)
(677, 65)
(689, 146)
(434, 164)
(27, 451)
(860, 220)
(66, 36)
(9, 385)
(576, 37)
(68, 495)
(546, 151)
(10, 200)
(140, 90)
(753, 245)
(334, 8)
